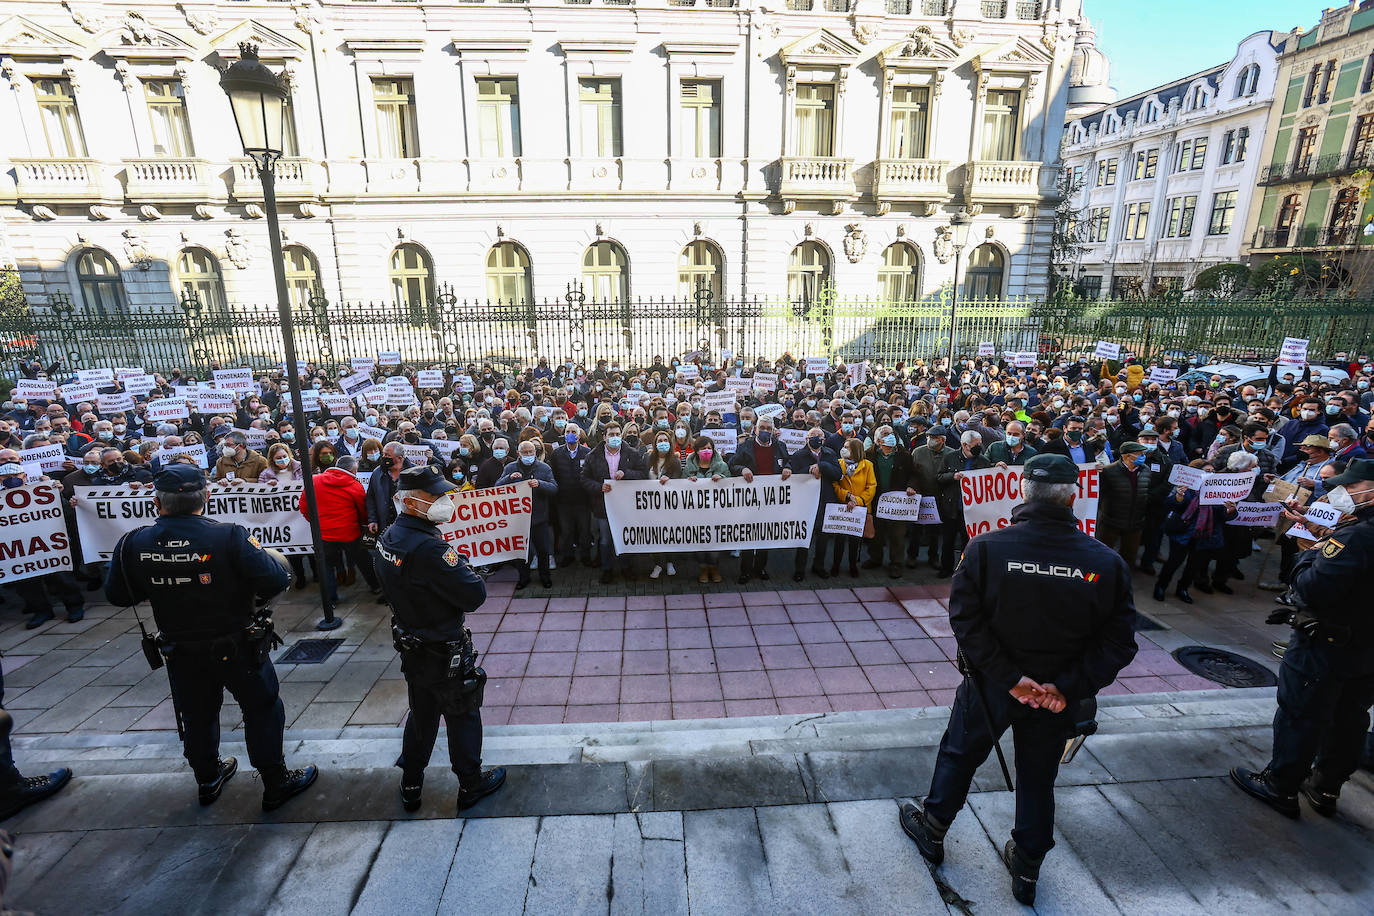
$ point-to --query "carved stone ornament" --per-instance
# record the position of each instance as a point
(809, 229)
(9, 71)
(696, 228)
(855, 243)
(85, 21)
(236, 248)
(102, 213)
(600, 231)
(919, 43)
(310, 211)
(203, 23)
(962, 37)
(253, 211)
(901, 230)
(43, 213)
(136, 249)
(149, 212)
(1021, 211)
(135, 30)
(864, 33)
(989, 232)
(762, 19)
(204, 211)
(943, 245)
(932, 208)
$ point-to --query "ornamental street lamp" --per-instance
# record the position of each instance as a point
(258, 99)
(960, 226)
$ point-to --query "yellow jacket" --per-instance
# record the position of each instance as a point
(857, 480)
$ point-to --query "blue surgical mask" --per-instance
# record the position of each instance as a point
(373, 456)
(498, 453)
(464, 450)
(560, 422)
(613, 442)
(663, 446)
(746, 425)
(527, 460)
(1013, 441)
(765, 437)
(581, 411)
(847, 427)
(570, 438)
(946, 421)
(662, 424)
(890, 440)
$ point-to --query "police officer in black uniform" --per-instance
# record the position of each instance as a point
(202, 578)
(430, 586)
(1043, 614)
(1326, 682)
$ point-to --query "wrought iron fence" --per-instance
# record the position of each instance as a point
(447, 331)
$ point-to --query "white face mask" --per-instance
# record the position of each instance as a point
(1340, 498)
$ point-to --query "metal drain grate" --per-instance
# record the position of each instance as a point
(310, 651)
(1225, 668)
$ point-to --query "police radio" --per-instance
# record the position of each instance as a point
(150, 643)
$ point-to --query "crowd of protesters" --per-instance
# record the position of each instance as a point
(864, 430)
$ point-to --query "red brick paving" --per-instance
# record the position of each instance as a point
(645, 657)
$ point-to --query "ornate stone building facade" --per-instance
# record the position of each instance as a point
(1165, 178)
(641, 148)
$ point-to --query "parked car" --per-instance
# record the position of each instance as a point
(1240, 374)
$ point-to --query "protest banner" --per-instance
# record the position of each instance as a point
(858, 373)
(114, 403)
(375, 397)
(1323, 514)
(35, 542)
(990, 495)
(1300, 532)
(126, 372)
(636, 397)
(1219, 489)
(840, 519)
(724, 401)
(769, 410)
(168, 409)
(491, 525)
(98, 377)
(72, 395)
(1107, 350)
(444, 448)
(817, 365)
(987, 348)
(464, 383)
(1293, 351)
(731, 514)
(168, 452)
(1159, 376)
(417, 454)
(208, 402)
(1256, 514)
(398, 391)
(362, 364)
(233, 379)
(356, 384)
(389, 358)
(337, 404)
(688, 372)
(255, 438)
(1024, 360)
(739, 384)
(766, 381)
(371, 432)
(1183, 476)
(270, 513)
(139, 385)
(430, 378)
(919, 509)
(794, 440)
(41, 459)
(726, 440)
(35, 389)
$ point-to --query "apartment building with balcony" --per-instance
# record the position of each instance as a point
(637, 148)
(1319, 146)
(1164, 179)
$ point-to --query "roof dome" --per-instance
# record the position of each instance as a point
(1089, 73)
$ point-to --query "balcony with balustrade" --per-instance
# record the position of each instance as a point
(909, 181)
(161, 180)
(1000, 181)
(50, 181)
(297, 179)
(815, 178)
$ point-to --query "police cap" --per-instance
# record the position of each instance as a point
(179, 478)
(1050, 468)
(1357, 470)
(425, 478)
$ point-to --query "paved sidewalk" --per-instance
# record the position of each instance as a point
(611, 653)
(766, 815)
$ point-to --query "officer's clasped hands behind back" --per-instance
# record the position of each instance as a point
(203, 579)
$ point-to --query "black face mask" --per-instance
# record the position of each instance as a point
(411, 438)
(386, 462)
(428, 415)
(488, 436)
(975, 450)
(116, 469)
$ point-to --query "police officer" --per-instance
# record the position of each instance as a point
(1043, 615)
(201, 577)
(1326, 682)
(430, 586)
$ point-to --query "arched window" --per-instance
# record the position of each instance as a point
(1287, 218)
(412, 279)
(985, 269)
(101, 283)
(1345, 213)
(200, 278)
(899, 279)
(698, 267)
(605, 273)
(808, 272)
(302, 274)
(509, 278)
(1247, 83)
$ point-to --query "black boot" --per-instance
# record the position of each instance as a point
(921, 827)
(28, 790)
(1159, 592)
(1024, 873)
(410, 792)
(280, 784)
(1322, 801)
(1182, 595)
(75, 614)
(1262, 787)
(38, 619)
(211, 788)
(545, 579)
(487, 783)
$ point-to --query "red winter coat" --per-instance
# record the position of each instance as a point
(342, 505)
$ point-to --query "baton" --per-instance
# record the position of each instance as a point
(967, 670)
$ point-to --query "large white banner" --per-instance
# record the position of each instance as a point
(730, 514)
(990, 496)
(35, 540)
(492, 524)
(271, 514)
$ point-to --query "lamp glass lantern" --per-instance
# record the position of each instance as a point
(258, 99)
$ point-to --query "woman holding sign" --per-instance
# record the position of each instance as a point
(856, 487)
(706, 464)
(663, 466)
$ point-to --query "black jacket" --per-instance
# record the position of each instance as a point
(1043, 600)
(803, 460)
(1060, 446)
(903, 472)
(1121, 501)
(596, 471)
(381, 511)
(567, 470)
(427, 582)
(1331, 579)
(744, 458)
(947, 495)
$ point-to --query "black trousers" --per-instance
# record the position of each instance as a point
(952, 534)
(575, 531)
(9, 774)
(753, 562)
(1236, 544)
(334, 553)
(843, 543)
(38, 592)
(198, 683)
(1193, 561)
(1039, 740)
(1153, 538)
(1324, 697)
(541, 546)
(422, 729)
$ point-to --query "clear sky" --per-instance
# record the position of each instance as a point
(1154, 42)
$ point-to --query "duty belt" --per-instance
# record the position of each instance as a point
(461, 649)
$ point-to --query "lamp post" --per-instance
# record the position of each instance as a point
(960, 226)
(258, 100)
